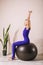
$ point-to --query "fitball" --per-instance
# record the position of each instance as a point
(26, 52)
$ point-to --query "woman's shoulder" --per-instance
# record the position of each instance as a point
(27, 28)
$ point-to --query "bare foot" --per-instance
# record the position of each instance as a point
(10, 58)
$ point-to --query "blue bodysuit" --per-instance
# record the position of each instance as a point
(18, 43)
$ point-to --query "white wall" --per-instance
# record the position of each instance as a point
(14, 12)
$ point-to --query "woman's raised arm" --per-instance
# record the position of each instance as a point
(29, 14)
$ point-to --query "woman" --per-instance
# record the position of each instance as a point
(25, 35)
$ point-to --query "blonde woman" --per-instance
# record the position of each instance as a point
(25, 35)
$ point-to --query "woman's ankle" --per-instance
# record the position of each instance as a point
(12, 58)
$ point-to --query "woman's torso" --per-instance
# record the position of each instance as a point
(25, 34)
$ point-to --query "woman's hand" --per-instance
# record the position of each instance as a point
(29, 14)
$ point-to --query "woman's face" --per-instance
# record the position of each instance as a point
(27, 22)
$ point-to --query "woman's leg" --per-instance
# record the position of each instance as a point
(14, 47)
(13, 50)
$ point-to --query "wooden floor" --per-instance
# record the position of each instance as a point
(39, 57)
(37, 61)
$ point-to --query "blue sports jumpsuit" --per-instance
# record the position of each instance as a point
(25, 41)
